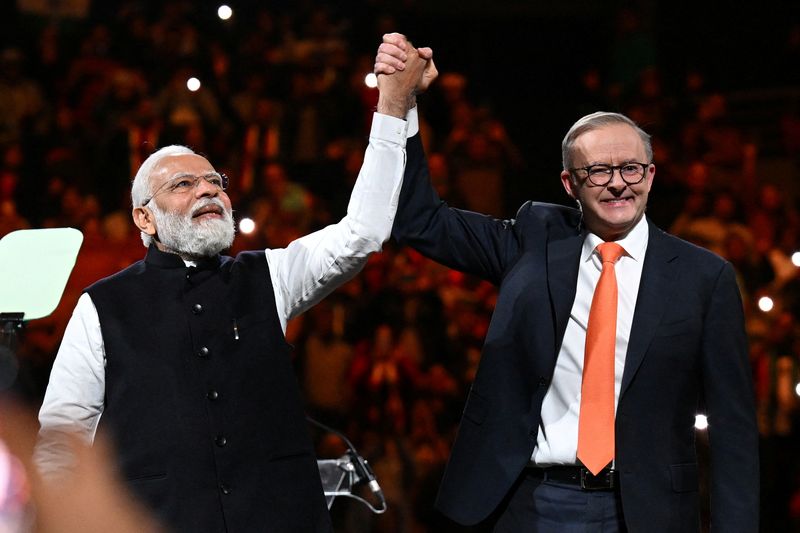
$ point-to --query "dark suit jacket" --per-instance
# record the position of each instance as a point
(687, 347)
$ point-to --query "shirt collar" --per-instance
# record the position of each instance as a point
(161, 259)
(634, 243)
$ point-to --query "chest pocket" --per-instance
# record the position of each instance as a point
(678, 328)
(259, 326)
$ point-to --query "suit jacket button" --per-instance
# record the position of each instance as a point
(212, 395)
(224, 489)
(197, 309)
(542, 381)
(221, 440)
(203, 352)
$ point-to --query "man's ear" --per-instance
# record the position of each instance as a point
(569, 185)
(650, 176)
(144, 220)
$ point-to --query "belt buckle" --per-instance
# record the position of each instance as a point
(605, 480)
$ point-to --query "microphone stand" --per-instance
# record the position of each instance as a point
(352, 469)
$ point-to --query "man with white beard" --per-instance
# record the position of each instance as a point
(181, 358)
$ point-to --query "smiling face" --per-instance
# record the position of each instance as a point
(612, 210)
(194, 221)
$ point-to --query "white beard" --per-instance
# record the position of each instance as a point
(181, 235)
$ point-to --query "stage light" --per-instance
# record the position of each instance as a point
(700, 422)
(797, 389)
(247, 225)
(766, 304)
(193, 84)
(371, 80)
(224, 12)
(796, 259)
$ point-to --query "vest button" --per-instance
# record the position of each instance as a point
(197, 309)
(203, 352)
(212, 395)
(221, 440)
(224, 489)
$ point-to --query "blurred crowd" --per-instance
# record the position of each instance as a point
(283, 109)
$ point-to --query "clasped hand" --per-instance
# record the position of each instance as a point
(403, 72)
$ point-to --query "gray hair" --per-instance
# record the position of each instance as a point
(595, 121)
(140, 187)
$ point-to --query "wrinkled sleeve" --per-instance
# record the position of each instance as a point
(314, 265)
(75, 395)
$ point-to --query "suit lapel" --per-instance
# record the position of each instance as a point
(563, 256)
(655, 294)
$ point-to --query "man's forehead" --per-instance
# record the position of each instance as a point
(171, 165)
(610, 138)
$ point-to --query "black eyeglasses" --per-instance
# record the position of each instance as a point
(601, 175)
(186, 183)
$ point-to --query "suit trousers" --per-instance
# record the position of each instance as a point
(537, 506)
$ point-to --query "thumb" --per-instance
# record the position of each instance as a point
(428, 75)
(425, 52)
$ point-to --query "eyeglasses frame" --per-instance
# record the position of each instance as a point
(196, 180)
(619, 168)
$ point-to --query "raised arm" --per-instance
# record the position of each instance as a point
(312, 266)
(463, 240)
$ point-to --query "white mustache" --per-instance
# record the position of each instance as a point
(201, 204)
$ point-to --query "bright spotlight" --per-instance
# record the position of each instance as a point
(796, 259)
(193, 84)
(371, 80)
(797, 389)
(224, 12)
(247, 225)
(766, 304)
(700, 422)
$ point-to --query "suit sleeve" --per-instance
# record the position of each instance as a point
(470, 242)
(733, 432)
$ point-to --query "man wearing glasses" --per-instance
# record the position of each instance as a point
(608, 337)
(182, 358)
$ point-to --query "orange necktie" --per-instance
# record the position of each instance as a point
(596, 421)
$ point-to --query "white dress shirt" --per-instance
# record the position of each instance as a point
(301, 274)
(557, 442)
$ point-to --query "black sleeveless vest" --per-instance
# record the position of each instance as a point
(201, 399)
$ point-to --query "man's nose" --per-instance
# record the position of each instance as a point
(204, 188)
(616, 183)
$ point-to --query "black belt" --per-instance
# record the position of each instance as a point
(606, 479)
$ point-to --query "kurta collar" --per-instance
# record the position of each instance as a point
(157, 258)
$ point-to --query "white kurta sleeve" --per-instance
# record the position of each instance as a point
(314, 265)
(75, 394)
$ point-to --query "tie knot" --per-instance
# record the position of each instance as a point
(610, 252)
